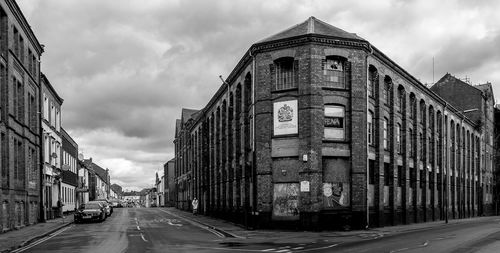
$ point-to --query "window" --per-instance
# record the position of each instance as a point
(334, 122)
(412, 144)
(286, 74)
(400, 176)
(387, 90)
(387, 174)
(385, 123)
(421, 146)
(399, 135)
(4, 161)
(372, 80)
(371, 171)
(370, 128)
(335, 70)
(400, 100)
(412, 107)
(16, 42)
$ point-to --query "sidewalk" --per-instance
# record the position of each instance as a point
(277, 235)
(18, 238)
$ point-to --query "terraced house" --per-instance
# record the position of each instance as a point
(317, 128)
(19, 120)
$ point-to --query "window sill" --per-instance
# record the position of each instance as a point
(284, 136)
(334, 88)
(336, 140)
(285, 90)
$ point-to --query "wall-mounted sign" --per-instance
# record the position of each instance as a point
(285, 116)
(336, 122)
(304, 186)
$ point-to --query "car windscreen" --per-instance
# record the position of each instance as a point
(92, 206)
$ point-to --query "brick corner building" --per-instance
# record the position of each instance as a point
(317, 128)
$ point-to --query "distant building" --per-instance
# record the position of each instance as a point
(99, 181)
(117, 189)
(20, 131)
(70, 171)
(170, 185)
(84, 182)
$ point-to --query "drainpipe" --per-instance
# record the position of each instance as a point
(367, 145)
(254, 172)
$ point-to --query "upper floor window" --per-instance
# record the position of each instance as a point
(386, 142)
(334, 122)
(400, 100)
(413, 109)
(412, 143)
(336, 71)
(399, 135)
(372, 80)
(284, 73)
(370, 128)
(387, 90)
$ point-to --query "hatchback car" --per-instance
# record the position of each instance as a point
(90, 211)
(107, 206)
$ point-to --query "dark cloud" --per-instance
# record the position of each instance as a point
(126, 69)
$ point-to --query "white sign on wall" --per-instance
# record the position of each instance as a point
(285, 116)
(304, 186)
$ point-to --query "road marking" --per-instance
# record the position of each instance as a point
(138, 228)
(213, 231)
(283, 250)
(297, 248)
(41, 240)
(265, 250)
(144, 239)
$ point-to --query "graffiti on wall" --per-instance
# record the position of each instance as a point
(336, 194)
(286, 201)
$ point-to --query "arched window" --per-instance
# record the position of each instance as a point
(336, 70)
(372, 80)
(387, 90)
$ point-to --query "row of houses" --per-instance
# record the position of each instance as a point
(317, 128)
(42, 173)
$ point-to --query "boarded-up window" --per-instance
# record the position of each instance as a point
(334, 122)
(285, 201)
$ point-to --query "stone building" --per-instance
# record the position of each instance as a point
(70, 168)
(170, 183)
(317, 128)
(20, 53)
(52, 144)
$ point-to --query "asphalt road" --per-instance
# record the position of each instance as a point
(159, 230)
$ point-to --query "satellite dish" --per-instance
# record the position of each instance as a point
(80, 156)
(65, 167)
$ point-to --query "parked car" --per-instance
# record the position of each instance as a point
(107, 206)
(90, 211)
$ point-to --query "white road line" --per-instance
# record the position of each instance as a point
(41, 240)
(144, 239)
(265, 250)
(197, 224)
(297, 248)
(138, 228)
(283, 250)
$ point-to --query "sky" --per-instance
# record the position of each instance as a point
(125, 68)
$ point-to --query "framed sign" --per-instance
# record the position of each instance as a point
(286, 201)
(285, 114)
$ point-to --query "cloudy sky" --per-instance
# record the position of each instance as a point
(126, 68)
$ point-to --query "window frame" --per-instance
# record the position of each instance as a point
(343, 116)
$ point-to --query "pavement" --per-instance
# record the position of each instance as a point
(237, 231)
(14, 239)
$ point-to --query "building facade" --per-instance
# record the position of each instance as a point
(70, 169)
(317, 128)
(20, 54)
(169, 177)
(99, 181)
(84, 178)
(52, 144)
